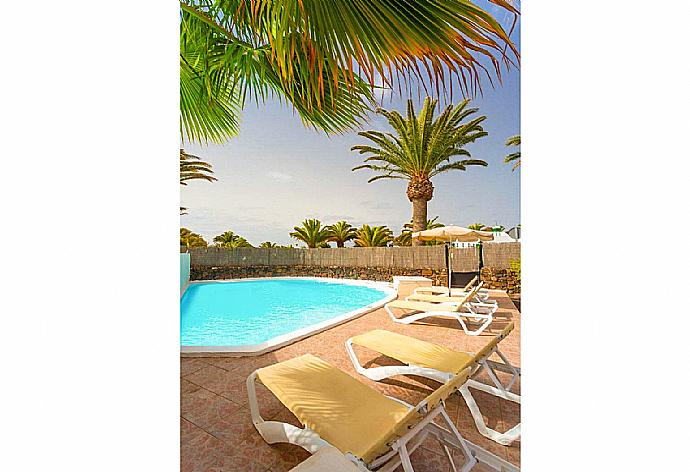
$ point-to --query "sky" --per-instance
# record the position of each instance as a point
(277, 172)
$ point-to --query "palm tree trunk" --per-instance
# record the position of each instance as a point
(418, 217)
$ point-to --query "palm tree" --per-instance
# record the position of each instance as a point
(422, 148)
(405, 238)
(476, 226)
(373, 236)
(193, 168)
(341, 232)
(268, 245)
(514, 156)
(324, 57)
(189, 239)
(230, 240)
(312, 234)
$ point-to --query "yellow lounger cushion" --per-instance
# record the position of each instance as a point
(348, 414)
(414, 351)
(423, 306)
(432, 290)
(437, 298)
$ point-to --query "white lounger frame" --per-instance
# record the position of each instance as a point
(490, 306)
(501, 391)
(481, 296)
(451, 313)
(401, 449)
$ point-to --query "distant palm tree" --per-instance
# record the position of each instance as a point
(312, 234)
(421, 148)
(267, 244)
(500, 228)
(373, 236)
(476, 226)
(230, 240)
(189, 239)
(341, 232)
(405, 238)
(515, 156)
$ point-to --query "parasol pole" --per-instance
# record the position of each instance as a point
(446, 246)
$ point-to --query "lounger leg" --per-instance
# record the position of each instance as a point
(384, 372)
(504, 439)
(394, 318)
(511, 369)
(405, 459)
(471, 460)
(487, 321)
(278, 432)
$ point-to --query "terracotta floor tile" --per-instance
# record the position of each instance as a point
(190, 365)
(201, 452)
(215, 379)
(187, 387)
(212, 413)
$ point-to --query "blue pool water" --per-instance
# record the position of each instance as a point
(253, 311)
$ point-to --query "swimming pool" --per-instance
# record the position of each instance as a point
(256, 315)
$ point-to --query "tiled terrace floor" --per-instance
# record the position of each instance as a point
(216, 432)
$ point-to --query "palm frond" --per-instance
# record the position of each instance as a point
(514, 156)
(324, 57)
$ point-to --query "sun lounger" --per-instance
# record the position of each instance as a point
(440, 364)
(373, 431)
(443, 309)
(483, 306)
(482, 294)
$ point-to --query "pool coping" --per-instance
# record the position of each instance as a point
(293, 336)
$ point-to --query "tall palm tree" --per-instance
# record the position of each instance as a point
(324, 57)
(373, 236)
(476, 226)
(230, 240)
(513, 156)
(341, 232)
(405, 238)
(189, 239)
(421, 148)
(312, 234)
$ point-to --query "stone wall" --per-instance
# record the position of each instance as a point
(380, 264)
(383, 274)
(500, 279)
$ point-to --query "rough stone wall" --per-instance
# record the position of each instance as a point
(500, 279)
(383, 274)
